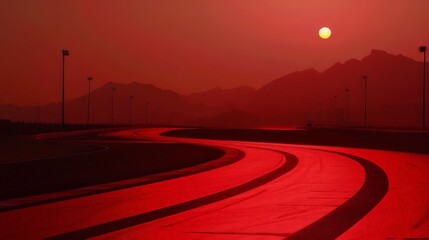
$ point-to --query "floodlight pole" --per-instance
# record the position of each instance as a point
(365, 78)
(89, 98)
(348, 106)
(65, 53)
(336, 110)
(423, 49)
(131, 110)
(113, 93)
(147, 113)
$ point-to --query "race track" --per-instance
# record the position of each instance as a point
(272, 191)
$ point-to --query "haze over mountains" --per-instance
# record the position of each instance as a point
(394, 89)
(394, 93)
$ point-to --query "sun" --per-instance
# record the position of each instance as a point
(325, 33)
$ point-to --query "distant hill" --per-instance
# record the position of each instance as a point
(165, 107)
(230, 119)
(222, 98)
(394, 87)
(284, 100)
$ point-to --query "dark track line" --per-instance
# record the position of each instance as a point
(107, 187)
(337, 222)
(116, 225)
(352, 211)
(330, 226)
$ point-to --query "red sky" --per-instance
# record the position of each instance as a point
(191, 45)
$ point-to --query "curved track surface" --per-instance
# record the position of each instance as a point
(276, 191)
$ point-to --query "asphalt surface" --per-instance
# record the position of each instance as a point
(272, 191)
(80, 161)
(405, 141)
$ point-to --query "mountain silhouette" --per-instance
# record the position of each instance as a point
(219, 100)
(216, 97)
(394, 93)
(230, 119)
(163, 106)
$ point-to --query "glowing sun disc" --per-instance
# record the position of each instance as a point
(325, 33)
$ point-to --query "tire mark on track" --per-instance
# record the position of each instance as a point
(341, 219)
(288, 165)
(100, 148)
(353, 210)
(231, 156)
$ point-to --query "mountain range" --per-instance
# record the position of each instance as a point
(335, 96)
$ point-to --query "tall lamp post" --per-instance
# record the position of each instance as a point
(65, 53)
(147, 113)
(89, 98)
(336, 110)
(348, 107)
(423, 50)
(131, 110)
(113, 94)
(365, 78)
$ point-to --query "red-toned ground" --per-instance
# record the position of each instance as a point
(275, 191)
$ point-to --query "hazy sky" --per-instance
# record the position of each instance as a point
(191, 45)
